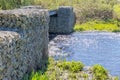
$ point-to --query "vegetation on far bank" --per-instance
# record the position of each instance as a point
(85, 10)
(98, 25)
(51, 4)
(98, 17)
(64, 70)
(116, 11)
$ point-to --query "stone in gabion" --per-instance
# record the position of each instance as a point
(63, 22)
(25, 44)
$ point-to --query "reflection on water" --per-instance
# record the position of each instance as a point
(93, 48)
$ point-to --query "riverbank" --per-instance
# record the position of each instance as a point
(64, 70)
(61, 69)
(99, 25)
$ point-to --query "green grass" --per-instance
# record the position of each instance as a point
(55, 70)
(98, 26)
(62, 70)
(99, 72)
(71, 66)
(51, 4)
(36, 76)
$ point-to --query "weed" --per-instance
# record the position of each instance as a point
(71, 66)
(99, 72)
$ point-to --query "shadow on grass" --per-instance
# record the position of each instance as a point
(39, 73)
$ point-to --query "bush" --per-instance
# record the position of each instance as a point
(99, 72)
(116, 11)
(7, 4)
(10, 4)
(64, 70)
(116, 30)
(36, 76)
(86, 11)
(54, 70)
(71, 66)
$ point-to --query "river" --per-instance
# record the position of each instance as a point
(90, 48)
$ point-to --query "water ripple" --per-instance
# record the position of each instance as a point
(92, 48)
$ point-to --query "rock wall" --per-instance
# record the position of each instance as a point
(53, 24)
(23, 41)
(24, 38)
(63, 22)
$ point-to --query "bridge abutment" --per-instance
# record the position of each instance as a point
(63, 22)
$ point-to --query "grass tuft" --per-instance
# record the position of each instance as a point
(99, 72)
(65, 70)
(71, 66)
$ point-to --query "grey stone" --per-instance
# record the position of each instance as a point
(24, 38)
(23, 41)
(63, 22)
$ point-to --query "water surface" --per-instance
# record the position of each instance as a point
(92, 48)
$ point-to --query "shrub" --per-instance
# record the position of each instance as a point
(116, 11)
(99, 72)
(62, 70)
(71, 66)
(7, 4)
(73, 76)
(86, 11)
(10, 4)
(116, 78)
(116, 30)
(36, 76)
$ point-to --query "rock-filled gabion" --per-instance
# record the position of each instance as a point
(63, 22)
(23, 41)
